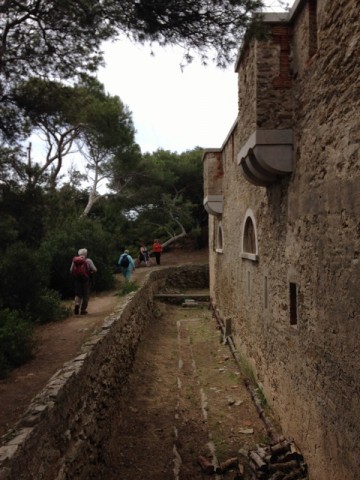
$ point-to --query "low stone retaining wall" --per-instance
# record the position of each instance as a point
(60, 435)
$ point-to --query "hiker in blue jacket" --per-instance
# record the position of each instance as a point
(127, 265)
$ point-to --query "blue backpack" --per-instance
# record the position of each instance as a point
(124, 260)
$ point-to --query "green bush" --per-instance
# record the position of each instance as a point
(16, 341)
(127, 287)
(22, 277)
(47, 307)
(62, 245)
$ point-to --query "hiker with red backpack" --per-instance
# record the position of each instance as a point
(82, 268)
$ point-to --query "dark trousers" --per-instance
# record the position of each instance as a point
(82, 291)
(157, 256)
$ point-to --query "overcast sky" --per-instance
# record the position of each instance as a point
(174, 109)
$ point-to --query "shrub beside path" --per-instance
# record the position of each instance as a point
(59, 342)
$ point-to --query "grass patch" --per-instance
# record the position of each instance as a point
(248, 372)
(261, 396)
(222, 448)
(127, 287)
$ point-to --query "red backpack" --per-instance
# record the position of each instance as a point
(80, 268)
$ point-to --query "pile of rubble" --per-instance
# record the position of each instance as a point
(278, 461)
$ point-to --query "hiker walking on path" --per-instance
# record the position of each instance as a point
(144, 255)
(82, 268)
(157, 249)
(127, 265)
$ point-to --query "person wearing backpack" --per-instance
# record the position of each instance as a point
(127, 265)
(81, 269)
(157, 250)
(144, 255)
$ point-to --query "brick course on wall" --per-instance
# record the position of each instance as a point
(308, 233)
(61, 434)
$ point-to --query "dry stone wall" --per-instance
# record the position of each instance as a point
(295, 310)
(61, 434)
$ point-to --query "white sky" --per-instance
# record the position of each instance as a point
(171, 108)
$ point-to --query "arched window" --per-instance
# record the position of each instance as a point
(249, 239)
(219, 239)
(313, 34)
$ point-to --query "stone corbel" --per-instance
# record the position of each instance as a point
(213, 204)
(266, 156)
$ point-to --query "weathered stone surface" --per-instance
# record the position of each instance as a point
(307, 232)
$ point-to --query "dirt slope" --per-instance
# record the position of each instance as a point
(59, 342)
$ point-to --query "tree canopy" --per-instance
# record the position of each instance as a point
(167, 197)
(62, 38)
(49, 52)
(100, 123)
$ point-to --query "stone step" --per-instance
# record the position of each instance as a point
(187, 299)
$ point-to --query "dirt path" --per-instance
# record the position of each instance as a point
(56, 344)
(60, 341)
(186, 398)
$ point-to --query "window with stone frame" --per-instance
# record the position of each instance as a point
(313, 36)
(214, 234)
(219, 239)
(293, 303)
(249, 238)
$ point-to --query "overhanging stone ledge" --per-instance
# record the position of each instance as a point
(266, 156)
(213, 204)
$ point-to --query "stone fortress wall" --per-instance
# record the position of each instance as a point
(285, 231)
(61, 434)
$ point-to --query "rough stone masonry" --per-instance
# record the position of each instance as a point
(61, 434)
(283, 196)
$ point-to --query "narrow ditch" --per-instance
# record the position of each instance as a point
(155, 394)
(185, 400)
